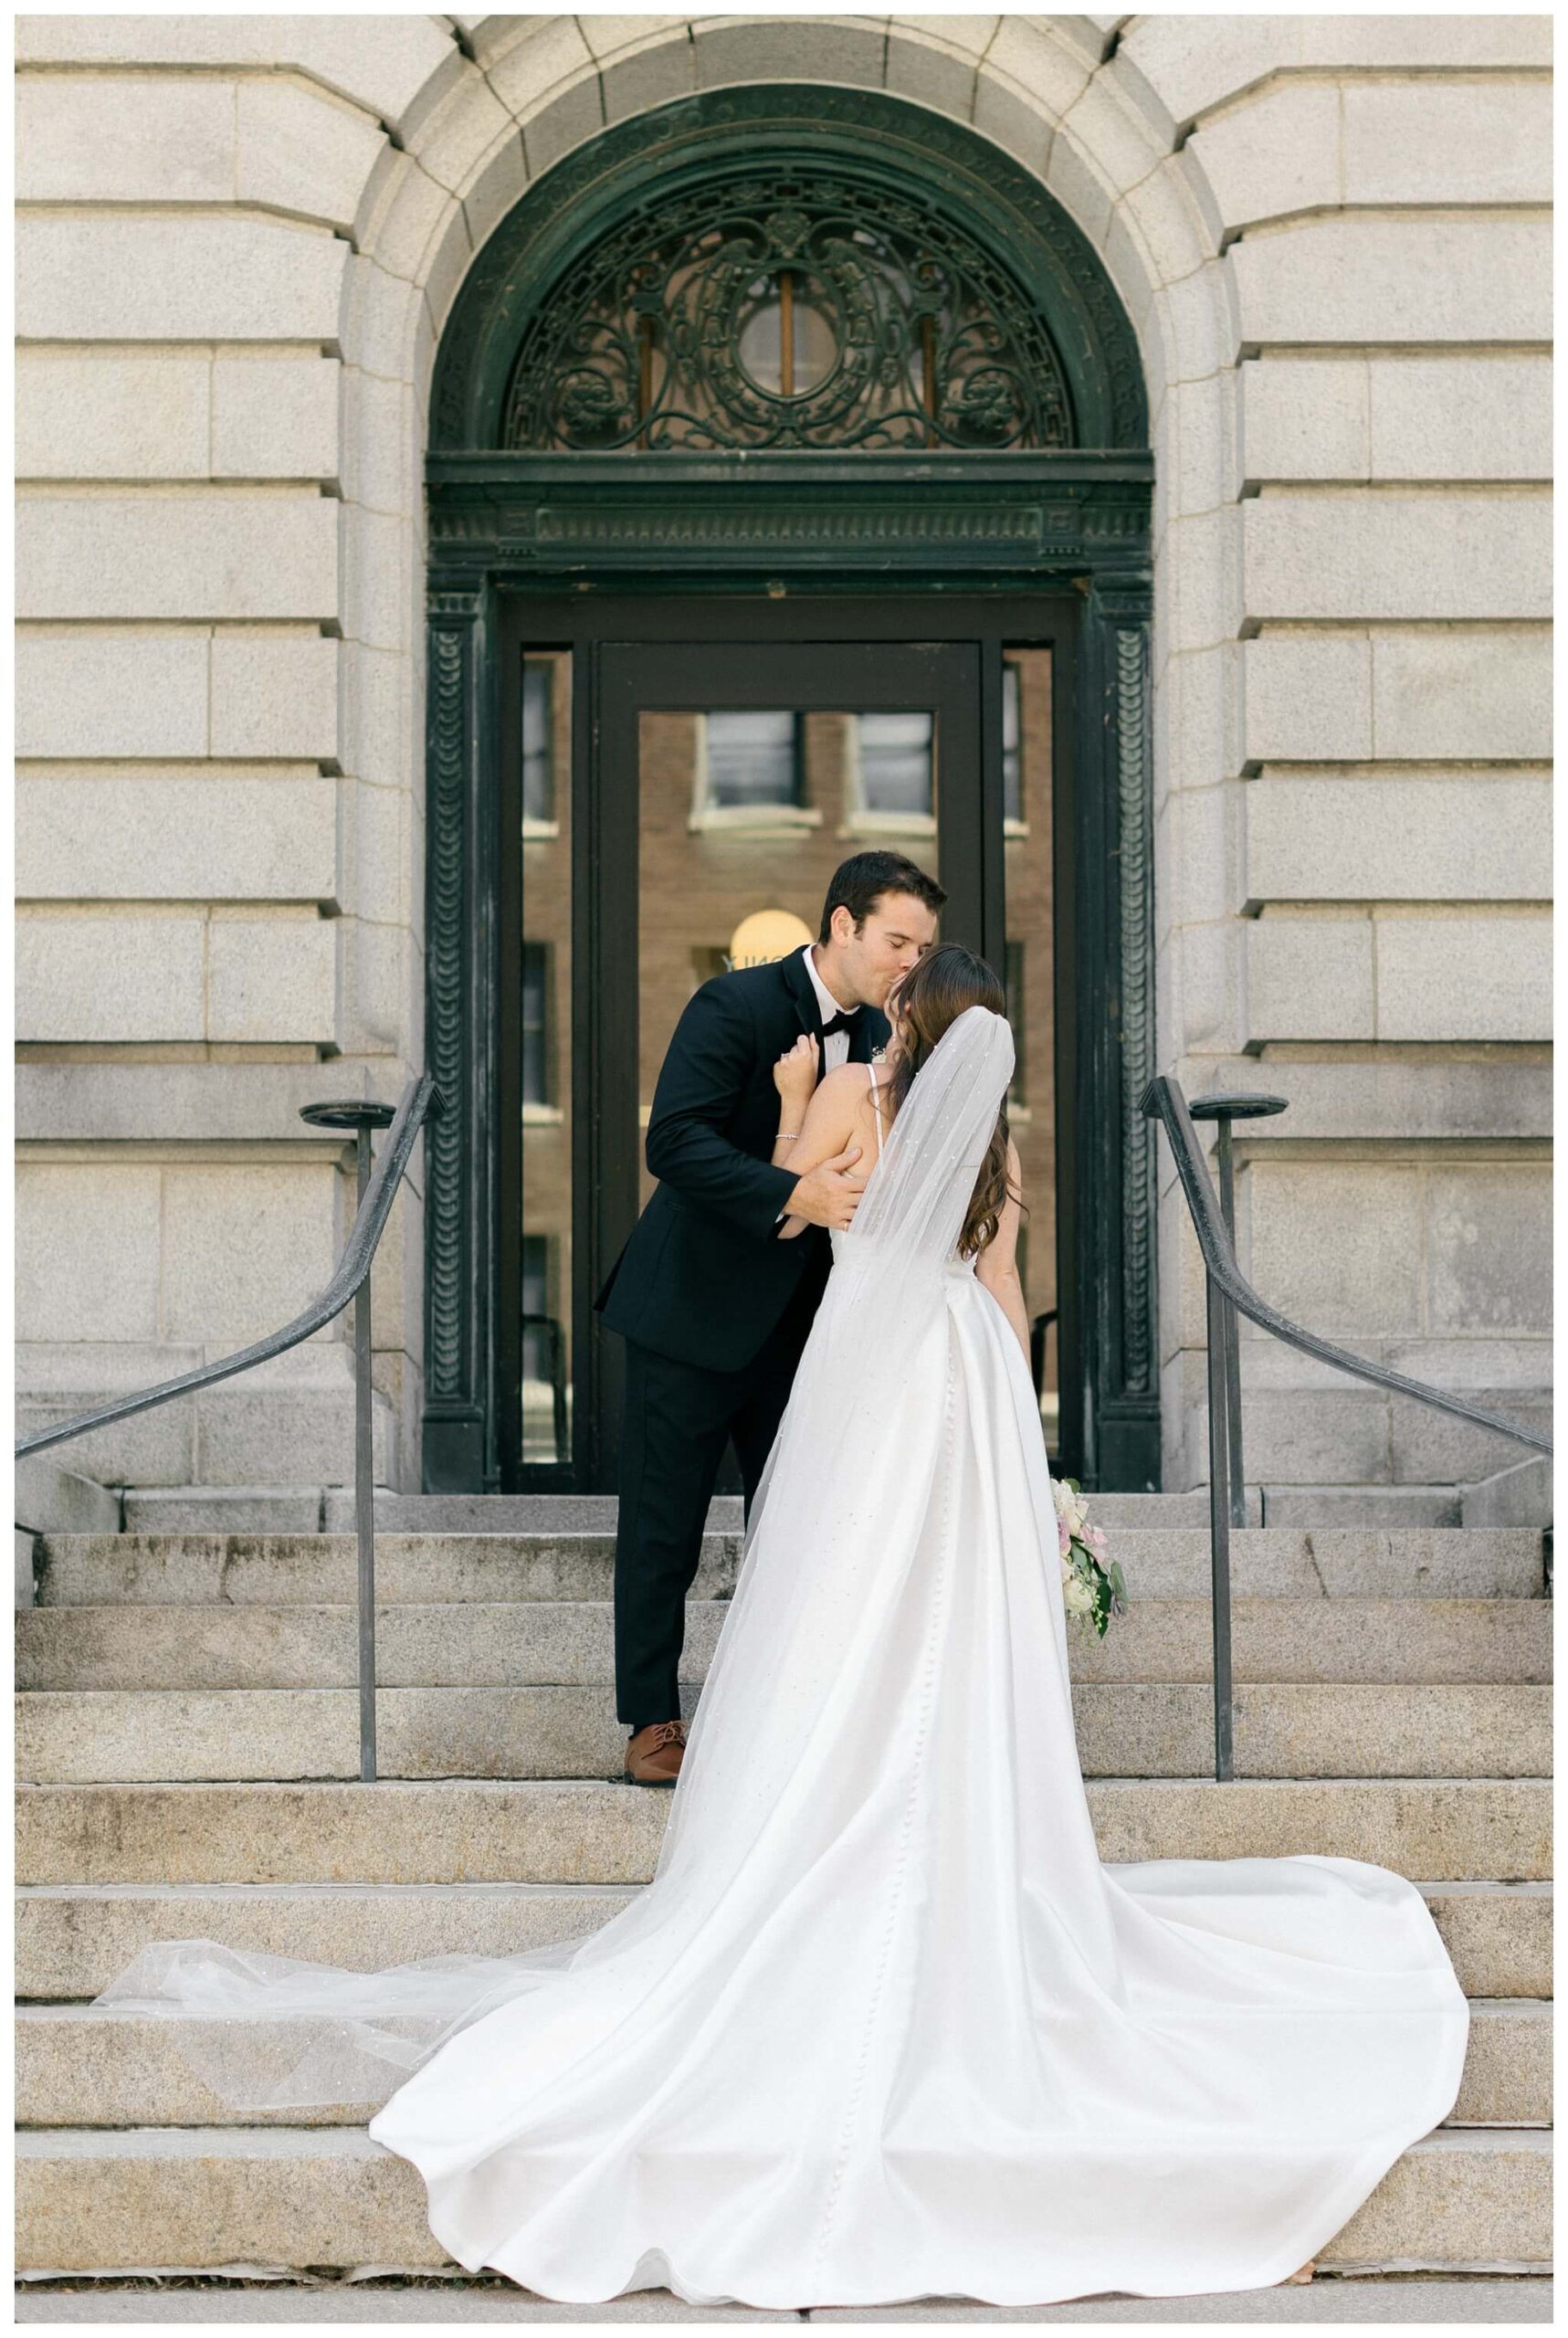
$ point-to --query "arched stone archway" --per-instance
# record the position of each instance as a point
(981, 215)
(1071, 510)
(1056, 95)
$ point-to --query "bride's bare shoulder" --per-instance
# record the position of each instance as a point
(852, 1090)
(843, 1096)
(838, 1098)
(847, 1079)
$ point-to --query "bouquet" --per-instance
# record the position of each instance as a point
(1092, 1585)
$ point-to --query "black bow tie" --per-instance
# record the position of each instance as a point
(839, 1022)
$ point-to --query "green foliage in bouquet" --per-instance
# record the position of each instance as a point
(1093, 1588)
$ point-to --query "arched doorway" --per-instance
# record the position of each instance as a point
(788, 489)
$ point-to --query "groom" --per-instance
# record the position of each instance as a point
(714, 1309)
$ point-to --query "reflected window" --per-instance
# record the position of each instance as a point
(546, 1402)
(535, 1023)
(894, 767)
(1012, 746)
(1013, 961)
(536, 1358)
(751, 760)
(538, 739)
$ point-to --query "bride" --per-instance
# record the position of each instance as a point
(884, 2026)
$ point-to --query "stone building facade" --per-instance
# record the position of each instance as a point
(241, 240)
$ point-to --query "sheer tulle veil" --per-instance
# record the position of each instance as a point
(279, 2033)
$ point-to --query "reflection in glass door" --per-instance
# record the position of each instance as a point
(745, 773)
(543, 713)
(743, 816)
(1029, 970)
(673, 808)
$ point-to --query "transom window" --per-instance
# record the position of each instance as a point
(804, 308)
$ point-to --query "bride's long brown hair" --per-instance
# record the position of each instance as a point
(933, 994)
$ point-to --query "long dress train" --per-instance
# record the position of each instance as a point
(884, 2026)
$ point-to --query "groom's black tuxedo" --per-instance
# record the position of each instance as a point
(703, 1278)
(714, 1308)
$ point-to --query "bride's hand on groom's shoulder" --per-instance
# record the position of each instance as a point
(794, 1073)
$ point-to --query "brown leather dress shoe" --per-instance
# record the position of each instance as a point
(653, 1755)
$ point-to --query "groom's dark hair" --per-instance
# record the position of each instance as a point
(859, 883)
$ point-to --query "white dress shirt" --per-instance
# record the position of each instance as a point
(834, 1049)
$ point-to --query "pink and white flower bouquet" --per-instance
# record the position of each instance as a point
(1093, 1589)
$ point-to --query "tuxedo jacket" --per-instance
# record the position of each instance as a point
(703, 1277)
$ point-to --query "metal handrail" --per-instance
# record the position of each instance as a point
(421, 1101)
(1227, 1290)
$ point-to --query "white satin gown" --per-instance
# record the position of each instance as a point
(884, 2026)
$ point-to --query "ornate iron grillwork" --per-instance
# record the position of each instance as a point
(805, 309)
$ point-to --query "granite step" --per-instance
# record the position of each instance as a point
(1142, 1729)
(172, 1510)
(80, 2066)
(1508, 2078)
(289, 1570)
(311, 1569)
(287, 2197)
(570, 1643)
(531, 1513)
(1453, 1829)
(70, 1938)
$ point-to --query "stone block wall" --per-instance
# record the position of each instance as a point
(219, 856)
(1358, 873)
(239, 237)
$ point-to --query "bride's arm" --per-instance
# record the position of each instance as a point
(825, 1132)
(996, 1265)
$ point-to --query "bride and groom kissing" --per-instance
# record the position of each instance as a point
(716, 1291)
(883, 2026)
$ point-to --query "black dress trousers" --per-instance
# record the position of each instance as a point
(678, 1420)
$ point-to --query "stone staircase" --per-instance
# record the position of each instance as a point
(189, 1751)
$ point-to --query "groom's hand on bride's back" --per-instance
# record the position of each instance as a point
(829, 1194)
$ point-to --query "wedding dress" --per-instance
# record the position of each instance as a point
(884, 2026)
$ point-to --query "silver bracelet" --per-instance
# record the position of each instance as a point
(787, 1136)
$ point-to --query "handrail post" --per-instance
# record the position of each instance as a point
(1228, 1322)
(362, 1117)
(1219, 1532)
(364, 1493)
(1223, 1111)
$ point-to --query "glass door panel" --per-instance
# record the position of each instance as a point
(1028, 808)
(745, 773)
(672, 808)
(543, 715)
